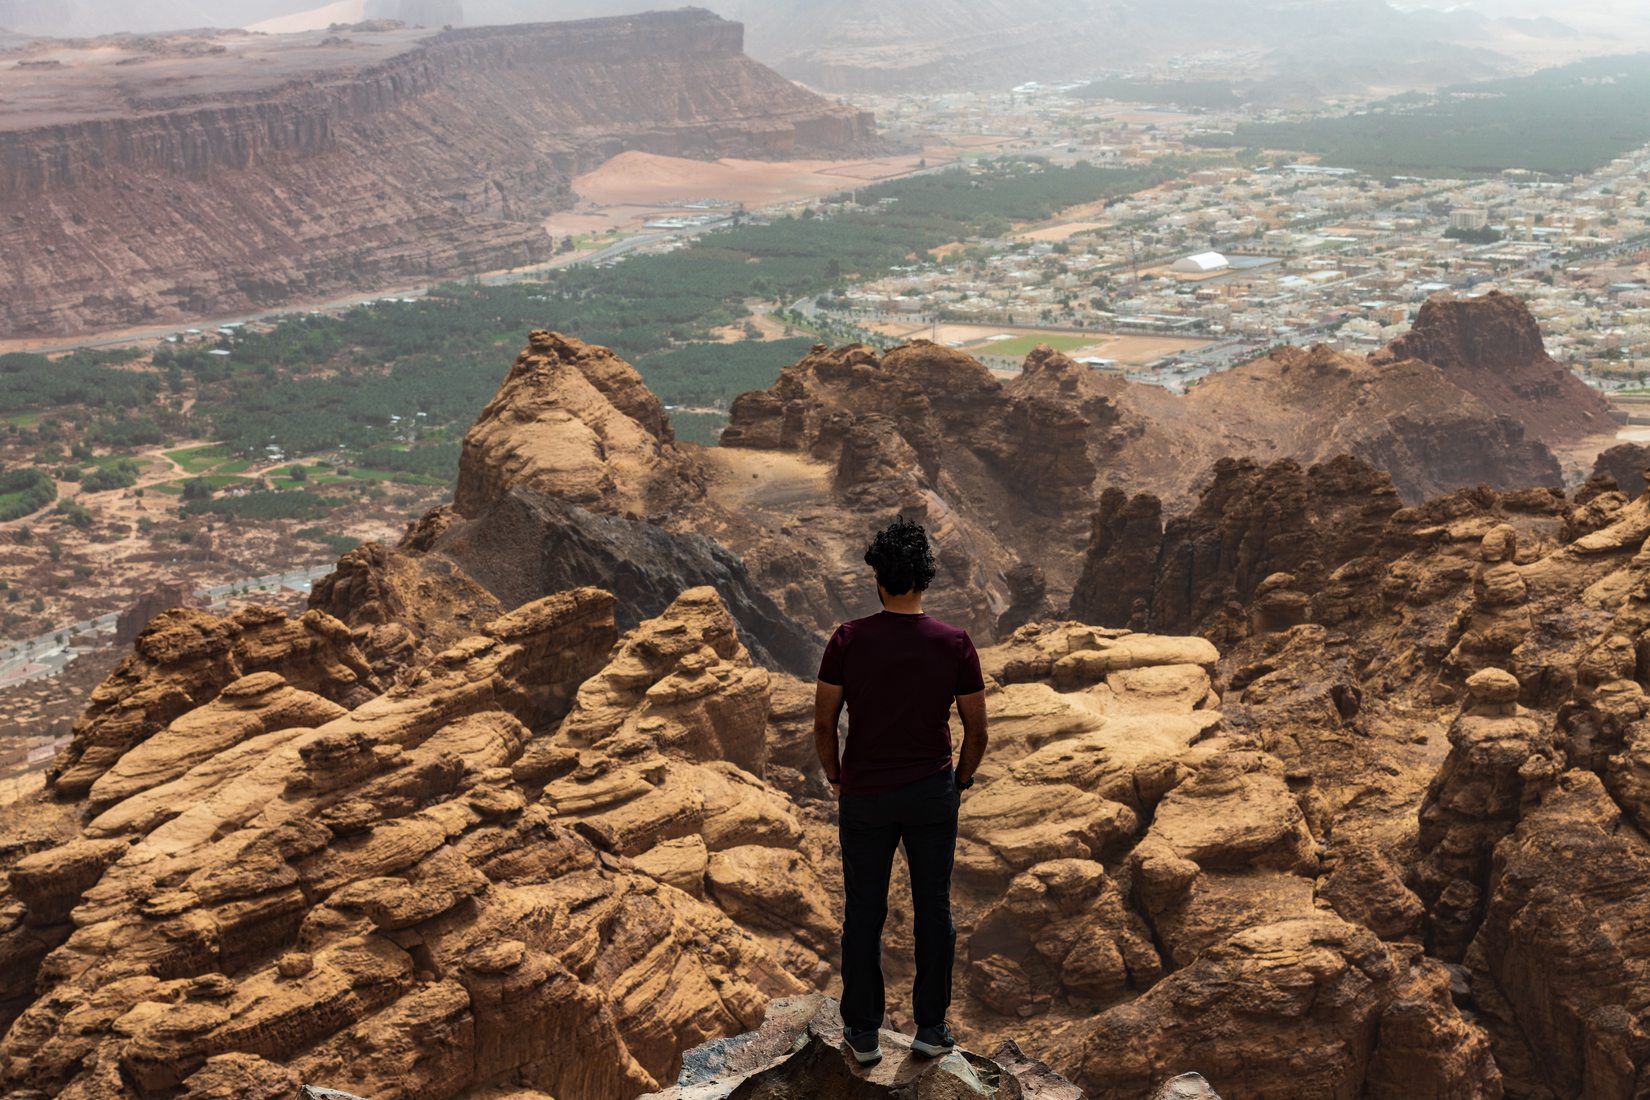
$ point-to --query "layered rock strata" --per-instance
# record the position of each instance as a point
(295, 167)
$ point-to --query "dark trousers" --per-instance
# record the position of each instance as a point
(923, 817)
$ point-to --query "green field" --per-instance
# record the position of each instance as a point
(196, 459)
(1020, 346)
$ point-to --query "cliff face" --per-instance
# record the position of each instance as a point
(1491, 347)
(149, 178)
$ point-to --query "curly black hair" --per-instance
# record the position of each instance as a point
(902, 558)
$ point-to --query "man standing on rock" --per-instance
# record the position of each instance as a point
(899, 672)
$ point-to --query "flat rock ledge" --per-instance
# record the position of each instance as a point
(799, 1051)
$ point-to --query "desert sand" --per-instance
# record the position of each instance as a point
(633, 187)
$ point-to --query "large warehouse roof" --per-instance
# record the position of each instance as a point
(1202, 262)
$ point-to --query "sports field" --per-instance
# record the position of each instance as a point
(1019, 347)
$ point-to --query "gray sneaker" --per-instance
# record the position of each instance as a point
(934, 1041)
(865, 1045)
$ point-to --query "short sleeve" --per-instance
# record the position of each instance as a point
(969, 679)
(830, 664)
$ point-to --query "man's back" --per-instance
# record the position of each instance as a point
(900, 674)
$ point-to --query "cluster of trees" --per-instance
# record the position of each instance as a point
(133, 430)
(712, 374)
(29, 381)
(338, 544)
(121, 474)
(267, 504)
(25, 490)
(435, 460)
(1569, 119)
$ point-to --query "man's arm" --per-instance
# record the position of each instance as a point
(971, 708)
(827, 710)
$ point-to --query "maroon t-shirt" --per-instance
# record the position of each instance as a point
(899, 675)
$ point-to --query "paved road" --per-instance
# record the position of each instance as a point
(44, 655)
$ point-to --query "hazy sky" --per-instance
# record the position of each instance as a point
(1604, 18)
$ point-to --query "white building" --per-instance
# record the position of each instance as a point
(1201, 264)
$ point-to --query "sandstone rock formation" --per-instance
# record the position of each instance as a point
(295, 167)
(1250, 524)
(162, 596)
(421, 894)
(1004, 467)
(1405, 416)
(1462, 699)
(185, 658)
(558, 481)
(1626, 464)
(1491, 347)
(572, 476)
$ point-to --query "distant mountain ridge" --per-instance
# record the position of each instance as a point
(856, 45)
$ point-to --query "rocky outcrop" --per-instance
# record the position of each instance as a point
(1310, 1006)
(1160, 879)
(1447, 704)
(1406, 416)
(927, 431)
(1500, 762)
(421, 894)
(1491, 347)
(1627, 465)
(1564, 941)
(572, 475)
(1250, 524)
(799, 1051)
(185, 658)
(137, 203)
(576, 420)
